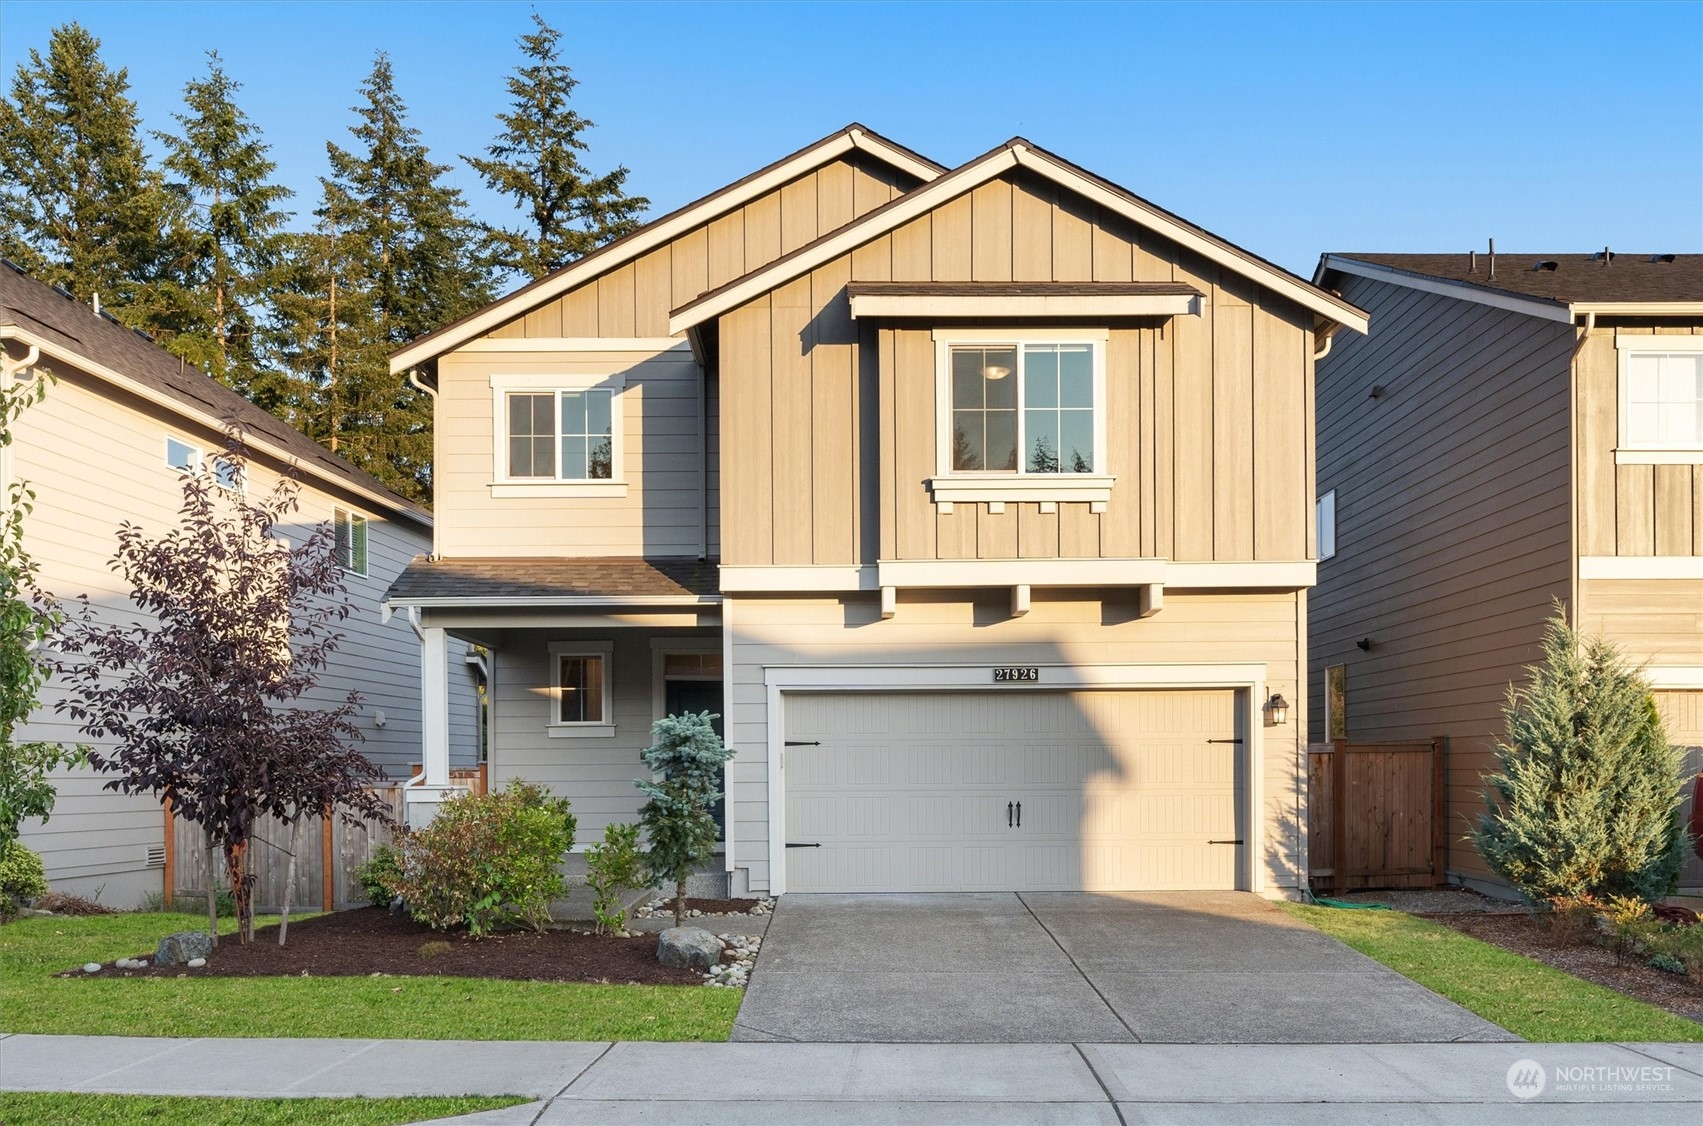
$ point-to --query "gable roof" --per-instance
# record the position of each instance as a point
(1586, 281)
(67, 330)
(658, 231)
(1016, 153)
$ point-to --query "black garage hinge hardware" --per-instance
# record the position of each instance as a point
(813, 844)
(1224, 842)
(1223, 740)
(802, 743)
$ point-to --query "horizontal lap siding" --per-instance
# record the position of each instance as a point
(96, 459)
(1207, 416)
(1069, 628)
(1453, 522)
(1654, 621)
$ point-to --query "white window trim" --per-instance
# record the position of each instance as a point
(1325, 543)
(504, 486)
(338, 513)
(1628, 452)
(948, 486)
(661, 648)
(199, 461)
(600, 729)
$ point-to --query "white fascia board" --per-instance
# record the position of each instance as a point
(803, 580)
(928, 677)
(1670, 678)
(1641, 566)
(563, 602)
(166, 402)
(1444, 287)
(1639, 308)
(647, 345)
(929, 573)
(646, 239)
(899, 159)
(1307, 296)
(1032, 305)
(1293, 575)
(896, 214)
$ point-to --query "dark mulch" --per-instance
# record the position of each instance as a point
(1523, 935)
(710, 906)
(371, 940)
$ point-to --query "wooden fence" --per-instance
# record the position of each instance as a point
(1375, 815)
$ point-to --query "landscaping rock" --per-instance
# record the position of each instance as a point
(688, 948)
(196, 963)
(91, 967)
(175, 949)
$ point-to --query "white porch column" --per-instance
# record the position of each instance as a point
(434, 706)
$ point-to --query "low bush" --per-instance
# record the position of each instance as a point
(435, 949)
(487, 861)
(612, 867)
(1680, 944)
(1571, 919)
(22, 877)
(383, 867)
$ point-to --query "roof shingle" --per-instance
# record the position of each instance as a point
(1576, 278)
(529, 580)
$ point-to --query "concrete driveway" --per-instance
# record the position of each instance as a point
(1160, 967)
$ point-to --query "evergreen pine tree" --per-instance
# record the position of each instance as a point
(393, 256)
(233, 240)
(536, 160)
(1586, 800)
(80, 206)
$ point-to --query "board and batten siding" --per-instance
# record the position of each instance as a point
(1062, 627)
(96, 458)
(831, 425)
(634, 300)
(1453, 527)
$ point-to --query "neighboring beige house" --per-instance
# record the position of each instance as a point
(977, 501)
(1517, 429)
(121, 422)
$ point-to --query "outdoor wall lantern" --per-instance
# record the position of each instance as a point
(1278, 709)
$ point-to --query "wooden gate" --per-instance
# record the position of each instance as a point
(1375, 815)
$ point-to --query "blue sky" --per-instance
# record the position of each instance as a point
(1289, 129)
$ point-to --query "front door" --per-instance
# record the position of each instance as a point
(699, 695)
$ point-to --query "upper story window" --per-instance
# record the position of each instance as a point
(349, 539)
(1023, 415)
(1661, 398)
(555, 437)
(1324, 519)
(187, 457)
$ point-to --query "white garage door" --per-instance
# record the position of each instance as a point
(1018, 790)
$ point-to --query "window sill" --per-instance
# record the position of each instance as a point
(514, 490)
(580, 730)
(1093, 488)
(1658, 457)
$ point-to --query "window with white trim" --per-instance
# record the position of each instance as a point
(1324, 520)
(187, 457)
(1022, 414)
(349, 539)
(1661, 398)
(581, 692)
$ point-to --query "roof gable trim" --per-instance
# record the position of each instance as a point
(655, 234)
(1447, 287)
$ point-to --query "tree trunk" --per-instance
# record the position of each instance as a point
(236, 866)
(680, 903)
(212, 895)
(290, 876)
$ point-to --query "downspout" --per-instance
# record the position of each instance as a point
(1573, 458)
(419, 384)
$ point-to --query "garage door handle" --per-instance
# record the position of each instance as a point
(1223, 842)
(812, 844)
(1008, 815)
(1019, 815)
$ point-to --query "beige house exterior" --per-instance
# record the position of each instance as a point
(1515, 432)
(121, 422)
(976, 502)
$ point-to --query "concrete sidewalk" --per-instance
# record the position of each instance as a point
(996, 1084)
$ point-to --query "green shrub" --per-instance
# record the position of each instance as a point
(22, 877)
(1681, 944)
(487, 860)
(678, 825)
(1586, 800)
(383, 866)
(612, 867)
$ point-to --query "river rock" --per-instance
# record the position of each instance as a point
(176, 949)
(688, 948)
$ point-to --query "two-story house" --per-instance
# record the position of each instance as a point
(122, 421)
(1517, 431)
(976, 501)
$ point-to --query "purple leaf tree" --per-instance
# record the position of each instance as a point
(203, 700)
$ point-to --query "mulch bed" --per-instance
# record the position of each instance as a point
(1522, 934)
(709, 906)
(371, 940)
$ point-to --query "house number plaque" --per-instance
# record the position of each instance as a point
(1013, 674)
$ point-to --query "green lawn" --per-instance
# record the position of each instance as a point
(18, 1109)
(419, 1008)
(1529, 999)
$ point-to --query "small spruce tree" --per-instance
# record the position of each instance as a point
(680, 831)
(1586, 800)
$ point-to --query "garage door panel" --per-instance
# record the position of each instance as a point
(912, 791)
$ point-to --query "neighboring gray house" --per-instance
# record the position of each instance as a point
(120, 424)
(1516, 430)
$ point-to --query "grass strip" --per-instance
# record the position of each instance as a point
(1537, 1002)
(54, 1109)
